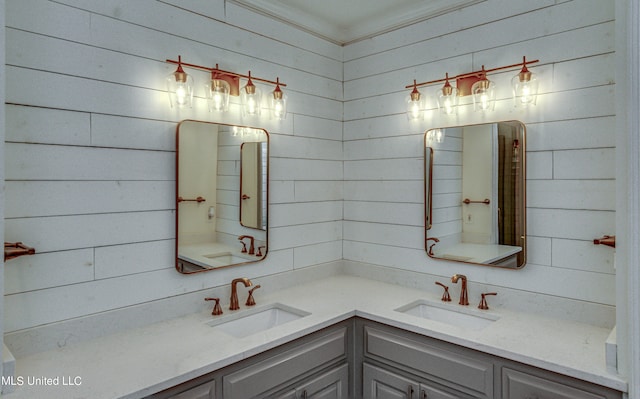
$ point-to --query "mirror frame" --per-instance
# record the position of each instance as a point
(428, 186)
(177, 195)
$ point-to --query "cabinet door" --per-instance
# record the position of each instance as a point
(430, 392)
(379, 383)
(204, 391)
(518, 385)
(333, 384)
(256, 380)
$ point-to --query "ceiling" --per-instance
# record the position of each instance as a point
(348, 21)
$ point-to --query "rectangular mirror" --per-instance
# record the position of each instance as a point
(475, 210)
(222, 179)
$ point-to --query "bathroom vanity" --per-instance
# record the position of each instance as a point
(352, 336)
(382, 362)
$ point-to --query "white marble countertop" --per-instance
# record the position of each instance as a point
(141, 361)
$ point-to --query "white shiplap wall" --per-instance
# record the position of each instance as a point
(571, 139)
(90, 148)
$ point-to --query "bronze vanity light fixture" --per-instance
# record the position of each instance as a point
(476, 84)
(180, 87)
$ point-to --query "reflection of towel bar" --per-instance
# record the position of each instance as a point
(199, 199)
(485, 201)
(13, 250)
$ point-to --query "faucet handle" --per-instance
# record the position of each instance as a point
(445, 295)
(250, 300)
(217, 309)
(483, 301)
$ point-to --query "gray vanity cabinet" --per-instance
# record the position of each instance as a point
(332, 384)
(291, 367)
(316, 366)
(525, 385)
(383, 383)
(445, 370)
(398, 364)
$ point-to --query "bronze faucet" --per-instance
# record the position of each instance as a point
(464, 297)
(252, 248)
(483, 302)
(234, 305)
(217, 309)
(250, 300)
(435, 241)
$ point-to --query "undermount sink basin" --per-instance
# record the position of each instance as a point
(446, 313)
(247, 322)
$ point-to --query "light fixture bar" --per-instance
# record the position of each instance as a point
(463, 76)
(222, 72)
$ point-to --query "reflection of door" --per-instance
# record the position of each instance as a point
(250, 184)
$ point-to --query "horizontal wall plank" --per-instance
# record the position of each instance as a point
(301, 235)
(582, 255)
(57, 198)
(585, 164)
(571, 224)
(46, 270)
(309, 191)
(45, 162)
(304, 213)
(411, 191)
(389, 147)
(570, 134)
(305, 169)
(385, 169)
(572, 194)
(121, 260)
(316, 254)
(58, 233)
(384, 212)
(307, 148)
(309, 126)
(120, 132)
(385, 234)
(50, 126)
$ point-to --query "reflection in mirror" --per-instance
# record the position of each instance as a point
(253, 185)
(211, 182)
(475, 208)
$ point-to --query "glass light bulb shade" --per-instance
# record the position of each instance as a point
(435, 136)
(484, 95)
(279, 106)
(525, 89)
(218, 95)
(251, 98)
(448, 101)
(180, 90)
(415, 108)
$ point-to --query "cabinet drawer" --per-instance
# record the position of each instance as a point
(204, 391)
(286, 366)
(519, 385)
(433, 359)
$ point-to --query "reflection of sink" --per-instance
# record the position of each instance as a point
(457, 257)
(227, 258)
(256, 320)
(459, 317)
